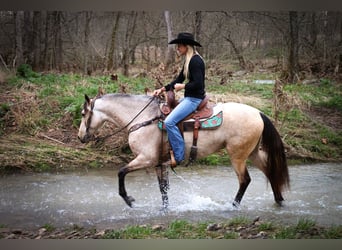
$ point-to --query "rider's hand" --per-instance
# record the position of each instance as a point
(158, 92)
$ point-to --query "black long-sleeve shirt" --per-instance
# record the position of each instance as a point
(195, 86)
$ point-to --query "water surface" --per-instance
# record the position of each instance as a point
(204, 194)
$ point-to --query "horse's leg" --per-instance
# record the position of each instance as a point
(138, 163)
(244, 179)
(163, 179)
(122, 190)
(259, 159)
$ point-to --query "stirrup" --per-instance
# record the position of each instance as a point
(173, 160)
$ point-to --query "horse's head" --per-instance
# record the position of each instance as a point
(91, 120)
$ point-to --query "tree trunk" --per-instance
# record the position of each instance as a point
(131, 25)
(198, 28)
(293, 63)
(237, 52)
(313, 31)
(170, 49)
(339, 61)
(111, 64)
(46, 40)
(27, 36)
(86, 68)
(58, 45)
(36, 40)
(19, 56)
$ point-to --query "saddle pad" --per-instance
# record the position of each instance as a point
(207, 123)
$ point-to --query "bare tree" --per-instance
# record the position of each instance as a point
(111, 64)
(36, 39)
(127, 49)
(170, 58)
(58, 43)
(88, 16)
(293, 64)
(19, 56)
(198, 27)
(46, 40)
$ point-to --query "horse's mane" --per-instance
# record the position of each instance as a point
(123, 95)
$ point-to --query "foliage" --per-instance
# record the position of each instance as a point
(239, 227)
(25, 71)
(41, 102)
(304, 227)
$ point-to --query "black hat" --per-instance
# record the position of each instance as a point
(185, 38)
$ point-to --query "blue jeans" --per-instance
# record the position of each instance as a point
(186, 106)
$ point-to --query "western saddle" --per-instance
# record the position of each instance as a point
(191, 122)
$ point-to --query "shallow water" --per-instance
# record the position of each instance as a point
(204, 194)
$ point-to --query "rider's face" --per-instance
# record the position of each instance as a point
(182, 49)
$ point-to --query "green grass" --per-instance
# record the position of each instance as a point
(53, 96)
(60, 93)
(266, 226)
(182, 229)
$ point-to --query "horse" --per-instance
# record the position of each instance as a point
(245, 133)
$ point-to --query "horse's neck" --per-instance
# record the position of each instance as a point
(121, 109)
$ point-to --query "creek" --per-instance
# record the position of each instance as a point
(90, 198)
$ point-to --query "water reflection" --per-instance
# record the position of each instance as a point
(205, 194)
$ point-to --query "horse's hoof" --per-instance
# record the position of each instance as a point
(164, 210)
(236, 204)
(279, 203)
(129, 200)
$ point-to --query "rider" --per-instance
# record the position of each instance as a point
(193, 71)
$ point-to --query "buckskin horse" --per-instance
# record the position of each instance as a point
(245, 132)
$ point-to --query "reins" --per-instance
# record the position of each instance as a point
(100, 139)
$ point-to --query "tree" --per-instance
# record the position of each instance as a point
(58, 43)
(293, 64)
(128, 48)
(170, 49)
(111, 64)
(198, 28)
(36, 40)
(88, 16)
(19, 55)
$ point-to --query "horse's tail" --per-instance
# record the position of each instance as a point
(276, 165)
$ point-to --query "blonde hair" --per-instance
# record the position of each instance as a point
(189, 54)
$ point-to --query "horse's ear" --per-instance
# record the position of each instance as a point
(87, 98)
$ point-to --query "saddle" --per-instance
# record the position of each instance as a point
(193, 122)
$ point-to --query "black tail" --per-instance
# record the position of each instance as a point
(276, 169)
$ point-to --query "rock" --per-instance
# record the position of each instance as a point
(100, 234)
(17, 231)
(157, 227)
(4, 230)
(239, 73)
(213, 227)
(41, 231)
(261, 234)
(11, 236)
(310, 81)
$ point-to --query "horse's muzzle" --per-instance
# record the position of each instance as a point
(85, 139)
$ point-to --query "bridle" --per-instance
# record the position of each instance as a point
(88, 121)
(134, 128)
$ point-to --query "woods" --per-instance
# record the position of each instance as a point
(86, 42)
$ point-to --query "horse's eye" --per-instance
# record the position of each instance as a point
(83, 114)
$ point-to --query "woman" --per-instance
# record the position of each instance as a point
(193, 72)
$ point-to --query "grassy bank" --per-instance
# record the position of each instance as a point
(40, 114)
(237, 228)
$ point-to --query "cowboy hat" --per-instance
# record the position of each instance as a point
(185, 38)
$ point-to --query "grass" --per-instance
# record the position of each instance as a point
(18, 152)
(239, 227)
(304, 228)
(40, 102)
